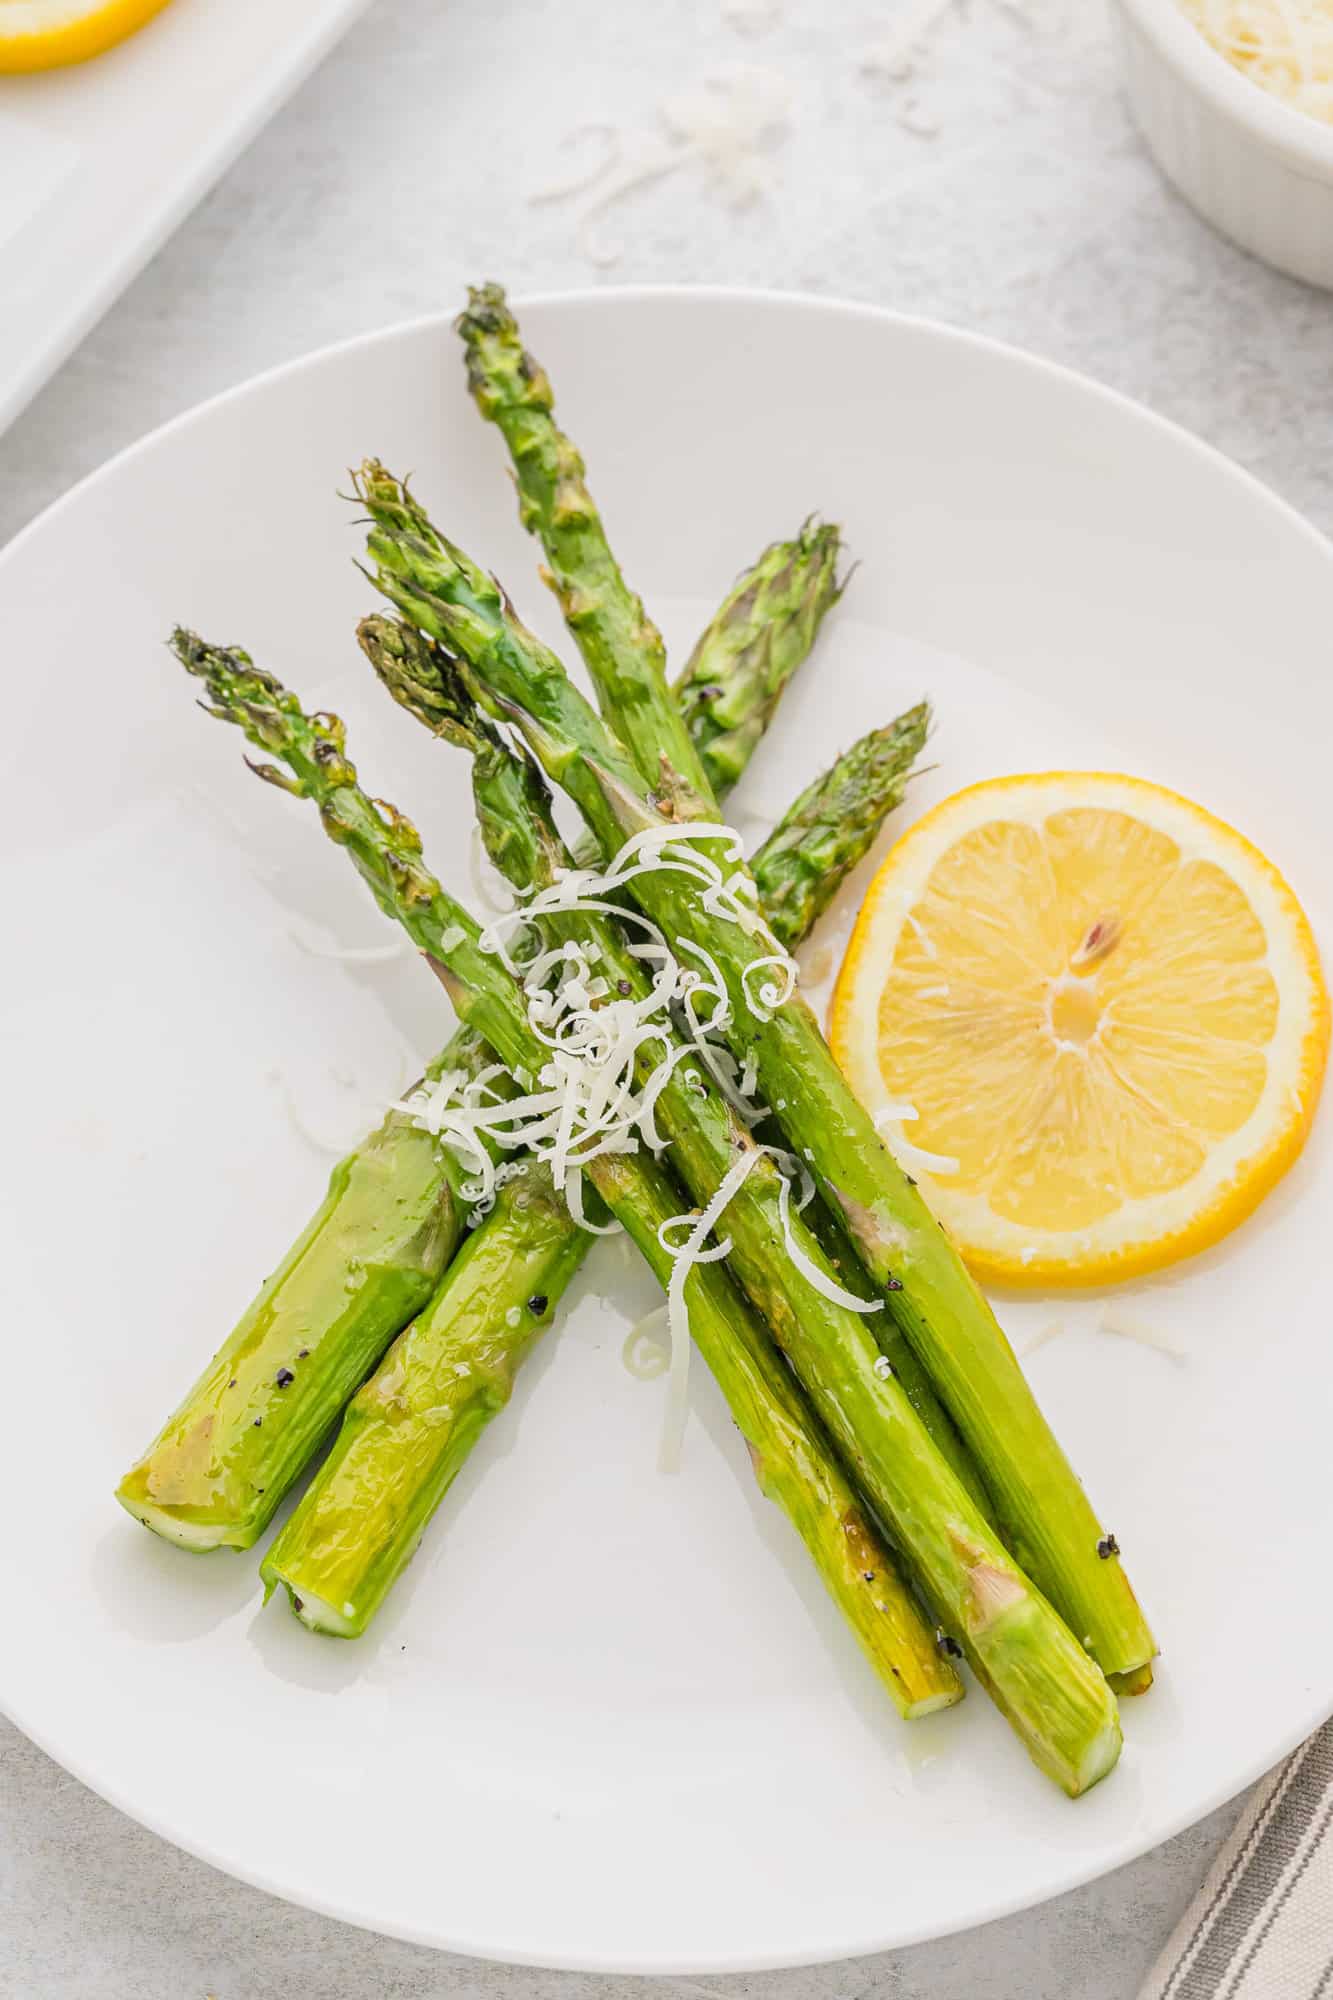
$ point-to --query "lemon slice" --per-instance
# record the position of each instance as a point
(45, 34)
(1089, 1017)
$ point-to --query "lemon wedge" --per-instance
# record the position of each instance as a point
(1089, 1017)
(46, 34)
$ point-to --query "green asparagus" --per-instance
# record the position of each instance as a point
(369, 1258)
(213, 1477)
(747, 653)
(819, 840)
(1048, 1521)
(621, 647)
(791, 1460)
(409, 1429)
(780, 1265)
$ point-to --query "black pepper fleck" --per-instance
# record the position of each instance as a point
(258, 1422)
(867, 1576)
(232, 1383)
(893, 1284)
(298, 1604)
(303, 1353)
(623, 988)
(537, 1304)
(911, 1180)
(284, 1378)
(1107, 1547)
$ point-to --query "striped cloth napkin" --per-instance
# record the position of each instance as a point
(1261, 1928)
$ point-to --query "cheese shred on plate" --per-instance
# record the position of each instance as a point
(1285, 46)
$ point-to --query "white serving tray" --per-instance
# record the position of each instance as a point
(99, 163)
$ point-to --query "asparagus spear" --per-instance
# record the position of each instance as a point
(213, 1477)
(621, 647)
(831, 826)
(1052, 1694)
(790, 1457)
(369, 1258)
(1048, 1519)
(745, 656)
(407, 1432)
(749, 650)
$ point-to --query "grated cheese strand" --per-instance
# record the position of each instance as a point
(907, 1155)
(690, 1253)
(829, 1287)
(351, 954)
(645, 1354)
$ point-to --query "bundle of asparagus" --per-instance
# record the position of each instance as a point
(879, 1399)
(377, 1247)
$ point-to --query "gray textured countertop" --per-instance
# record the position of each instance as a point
(1030, 213)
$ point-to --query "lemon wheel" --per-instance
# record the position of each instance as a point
(47, 34)
(1090, 1018)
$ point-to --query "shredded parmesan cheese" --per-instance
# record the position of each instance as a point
(646, 1354)
(334, 1144)
(893, 1114)
(361, 1106)
(580, 182)
(612, 1047)
(822, 1283)
(352, 954)
(901, 51)
(1285, 46)
(727, 124)
(1117, 1323)
(910, 1156)
(1052, 1330)
(1124, 1325)
(690, 1253)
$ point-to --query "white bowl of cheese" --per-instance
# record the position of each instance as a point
(1254, 163)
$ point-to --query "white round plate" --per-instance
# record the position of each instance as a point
(607, 1721)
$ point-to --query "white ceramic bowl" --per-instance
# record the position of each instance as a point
(1256, 169)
